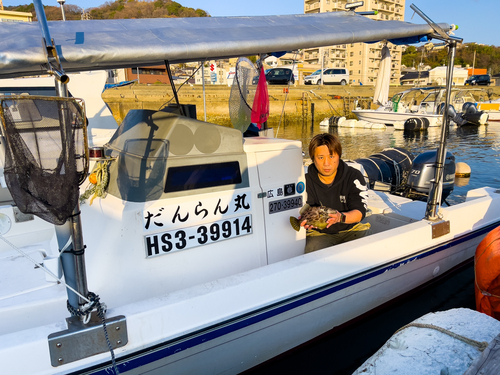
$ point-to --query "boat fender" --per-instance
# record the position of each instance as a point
(416, 124)
(462, 169)
(487, 274)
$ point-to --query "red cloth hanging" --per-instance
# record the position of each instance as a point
(260, 107)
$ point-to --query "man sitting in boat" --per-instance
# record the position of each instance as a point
(332, 183)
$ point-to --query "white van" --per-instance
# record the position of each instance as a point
(331, 76)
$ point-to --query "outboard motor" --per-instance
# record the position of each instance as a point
(472, 115)
(468, 116)
(423, 170)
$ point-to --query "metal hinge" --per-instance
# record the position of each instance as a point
(85, 340)
(440, 228)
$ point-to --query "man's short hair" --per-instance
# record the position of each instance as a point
(329, 140)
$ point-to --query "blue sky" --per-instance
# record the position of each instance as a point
(477, 19)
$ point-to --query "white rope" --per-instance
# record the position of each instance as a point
(42, 267)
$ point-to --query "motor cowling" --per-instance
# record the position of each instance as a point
(423, 171)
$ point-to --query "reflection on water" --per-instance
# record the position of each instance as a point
(479, 147)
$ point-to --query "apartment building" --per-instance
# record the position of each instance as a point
(361, 59)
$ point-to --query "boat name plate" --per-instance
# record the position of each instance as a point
(198, 235)
(285, 204)
(193, 212)
(85, 340)
(440, 228)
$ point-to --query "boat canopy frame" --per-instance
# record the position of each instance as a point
(112, 44)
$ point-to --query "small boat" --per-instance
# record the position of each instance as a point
(180, 257)
(401, 107)
(491, 107)
(424, 106)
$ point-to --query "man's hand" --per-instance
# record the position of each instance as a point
(304, 224)
(334, 219)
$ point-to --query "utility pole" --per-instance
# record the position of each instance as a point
(1, 5)
(474, 62)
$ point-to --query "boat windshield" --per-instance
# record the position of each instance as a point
(465, 96)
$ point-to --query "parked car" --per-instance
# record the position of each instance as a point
(482, 79)
(330, 77)
(280, 76)
(255, 79)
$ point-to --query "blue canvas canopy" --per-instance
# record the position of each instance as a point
(109, 44)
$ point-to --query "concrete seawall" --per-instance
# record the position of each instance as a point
(332, 100)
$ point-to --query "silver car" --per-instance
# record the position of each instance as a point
(331, 76)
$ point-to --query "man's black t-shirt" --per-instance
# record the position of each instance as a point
(347, 192)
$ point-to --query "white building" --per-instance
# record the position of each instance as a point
(361, 59)
(437, 76)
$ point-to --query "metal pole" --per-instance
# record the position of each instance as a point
(322, 66)
(312, 114)
(204, 98)
(431, 212)
(73, 262)
(61, 3)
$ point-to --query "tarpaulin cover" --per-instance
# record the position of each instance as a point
(112, 44)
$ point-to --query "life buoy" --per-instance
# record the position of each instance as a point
(487, 274)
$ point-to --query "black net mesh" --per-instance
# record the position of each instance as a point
(243, 93)
(46, 154)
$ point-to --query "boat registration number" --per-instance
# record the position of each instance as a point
(199, 235)
(285, 204)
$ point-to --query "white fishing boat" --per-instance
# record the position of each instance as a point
(491, 107)
(426, 103)
(400, 108)
(191, 248)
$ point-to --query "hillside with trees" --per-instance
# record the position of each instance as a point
(486, 57)
(119, 9)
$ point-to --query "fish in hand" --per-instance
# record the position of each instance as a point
(315, 216)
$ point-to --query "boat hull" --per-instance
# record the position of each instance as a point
(245, 341)
(389, 118)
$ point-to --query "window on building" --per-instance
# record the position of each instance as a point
(351, 63)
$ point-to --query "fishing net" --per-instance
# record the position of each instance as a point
(46, 155)
(242, 94)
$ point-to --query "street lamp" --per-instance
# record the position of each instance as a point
(61, 3)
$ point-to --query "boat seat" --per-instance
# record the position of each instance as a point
(385, 203)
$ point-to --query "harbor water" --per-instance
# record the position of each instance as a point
(345, 349)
